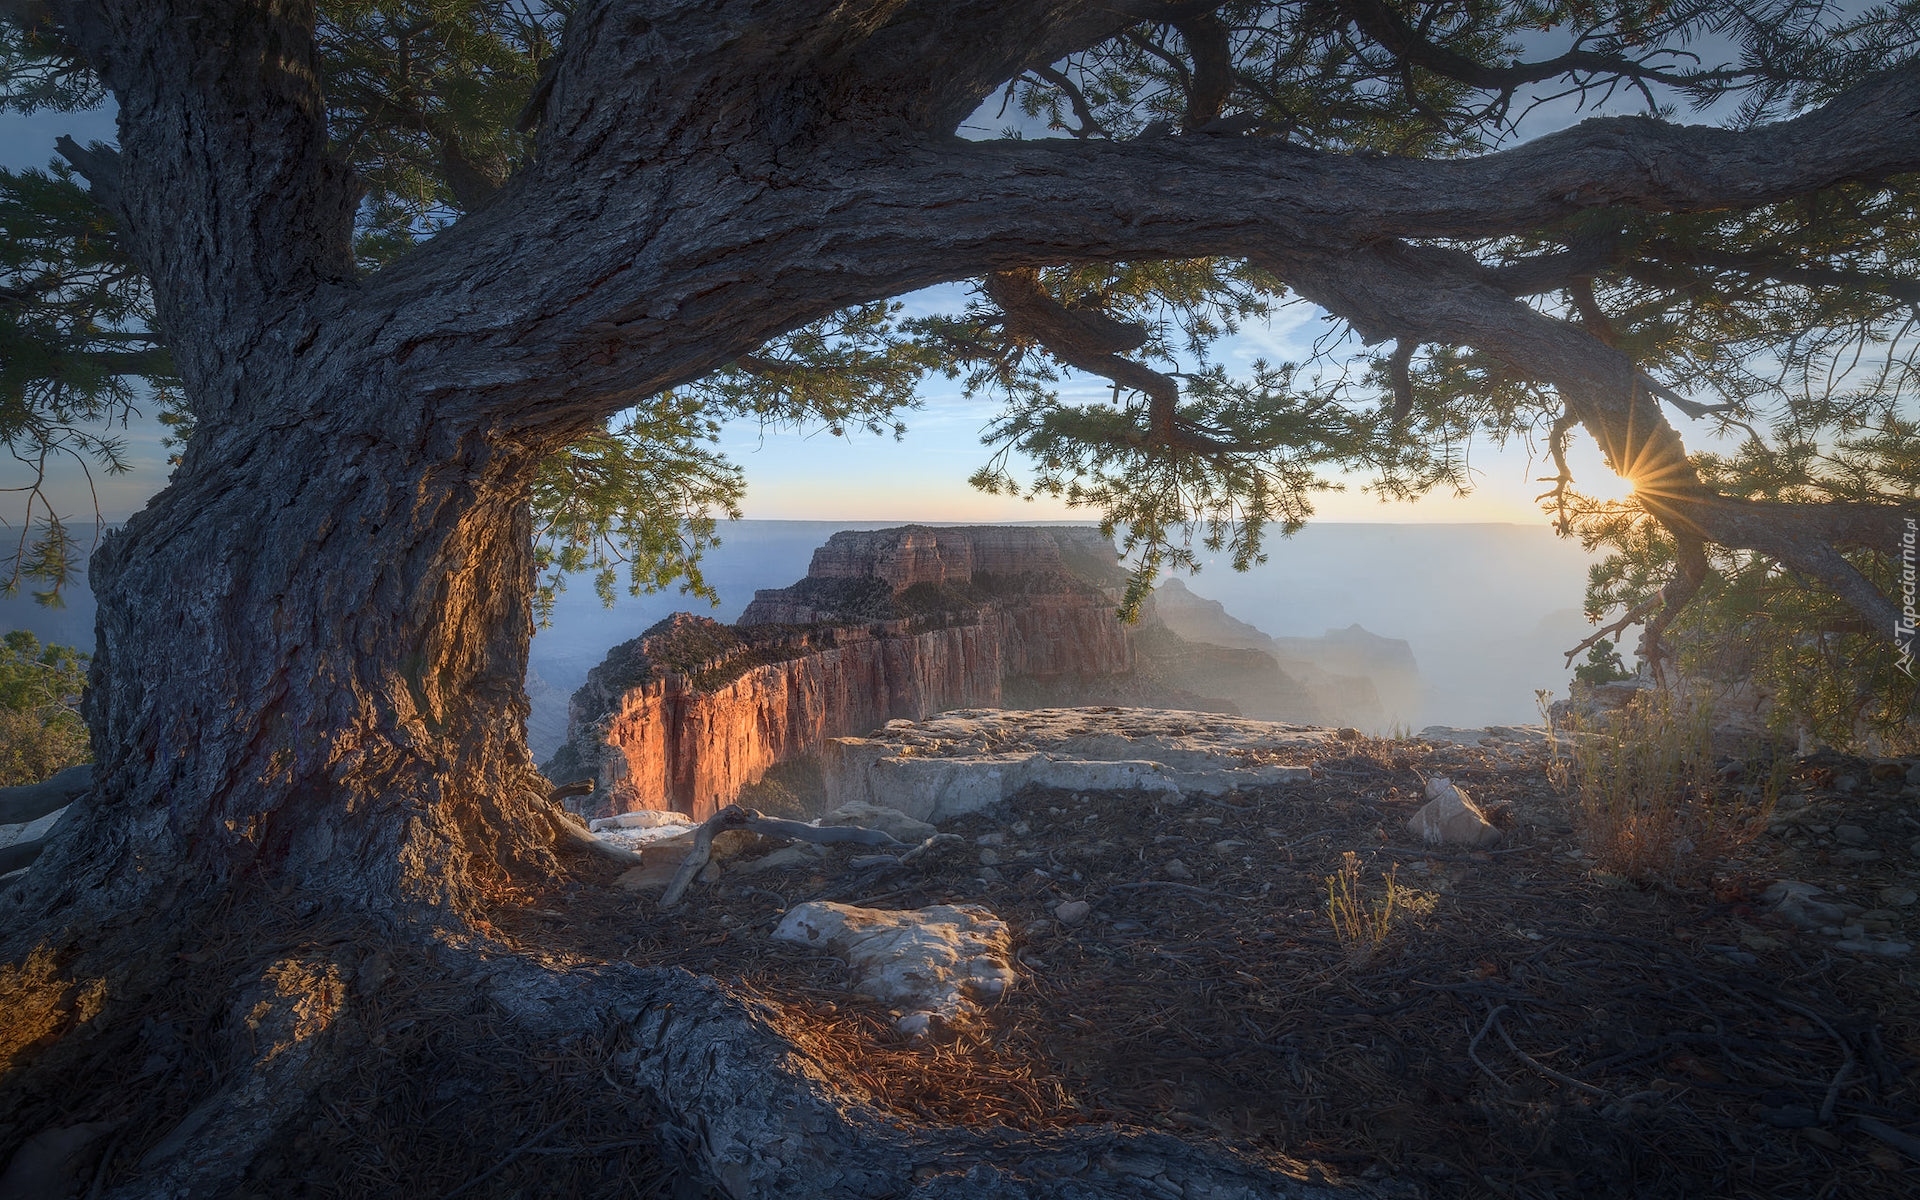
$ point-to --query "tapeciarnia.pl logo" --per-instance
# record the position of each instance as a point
(1904, 627)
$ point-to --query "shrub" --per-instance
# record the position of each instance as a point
(41, 731)
(1645, 795)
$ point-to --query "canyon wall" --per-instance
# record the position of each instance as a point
(900, 623)
(651, 736)
(906, 623)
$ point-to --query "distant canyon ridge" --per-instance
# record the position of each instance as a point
(906, 622)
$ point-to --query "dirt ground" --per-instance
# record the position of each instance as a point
(1528, 1026)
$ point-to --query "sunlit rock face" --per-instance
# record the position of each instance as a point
(888, 624)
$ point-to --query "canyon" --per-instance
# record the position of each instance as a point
(905, 623)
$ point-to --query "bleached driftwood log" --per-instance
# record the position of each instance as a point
(31, 801)
(735, 817)
(568, 827)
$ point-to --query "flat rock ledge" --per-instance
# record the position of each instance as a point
(972, 759)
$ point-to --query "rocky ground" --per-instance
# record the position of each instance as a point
(1524, 1023)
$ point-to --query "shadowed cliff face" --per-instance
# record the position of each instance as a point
(888, 624)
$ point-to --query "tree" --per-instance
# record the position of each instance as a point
(391, 309)
(1603, 665)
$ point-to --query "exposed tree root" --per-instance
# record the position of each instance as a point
(710, 1089)
(766, 1121)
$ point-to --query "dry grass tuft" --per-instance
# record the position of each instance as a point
(1360, 923)
(1645, 798)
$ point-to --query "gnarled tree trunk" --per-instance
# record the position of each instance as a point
(309, 675)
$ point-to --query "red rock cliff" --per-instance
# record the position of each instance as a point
(888, 624)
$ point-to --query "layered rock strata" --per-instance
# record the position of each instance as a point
(887, 624)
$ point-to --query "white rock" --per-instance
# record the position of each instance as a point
(891, 821)
(646, 818)
(1784, 889)
(939, 964)
(972, 759)
(1450, 818)
(1072, 912)
(1896, 896)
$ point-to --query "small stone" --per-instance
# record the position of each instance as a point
(1861, 856)
(1228, 847)
(1021, 829)
(992, 875)
(1175, 869)
(989, 857)
(1347, 733)
(1039, 928)
(1913, 774)
(1846, 783)
(995, 838)
(1759, 941)
(1450, 818)
(1785, 888)
(1792, 801)
(1896, 896)
(1850, 835)
(1072, 912)
(1809, 913)
(1853, 932)
(1128, 927)
(1879, 949)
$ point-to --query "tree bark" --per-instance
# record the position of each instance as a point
(309, 671)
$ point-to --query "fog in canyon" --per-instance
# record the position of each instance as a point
(1487, 609)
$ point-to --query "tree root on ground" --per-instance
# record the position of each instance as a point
(711, 1090)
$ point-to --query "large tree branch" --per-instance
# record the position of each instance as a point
(1393, 290)
(590, 283)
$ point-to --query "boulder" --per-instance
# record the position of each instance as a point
(938, 965)
(1450, 818)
